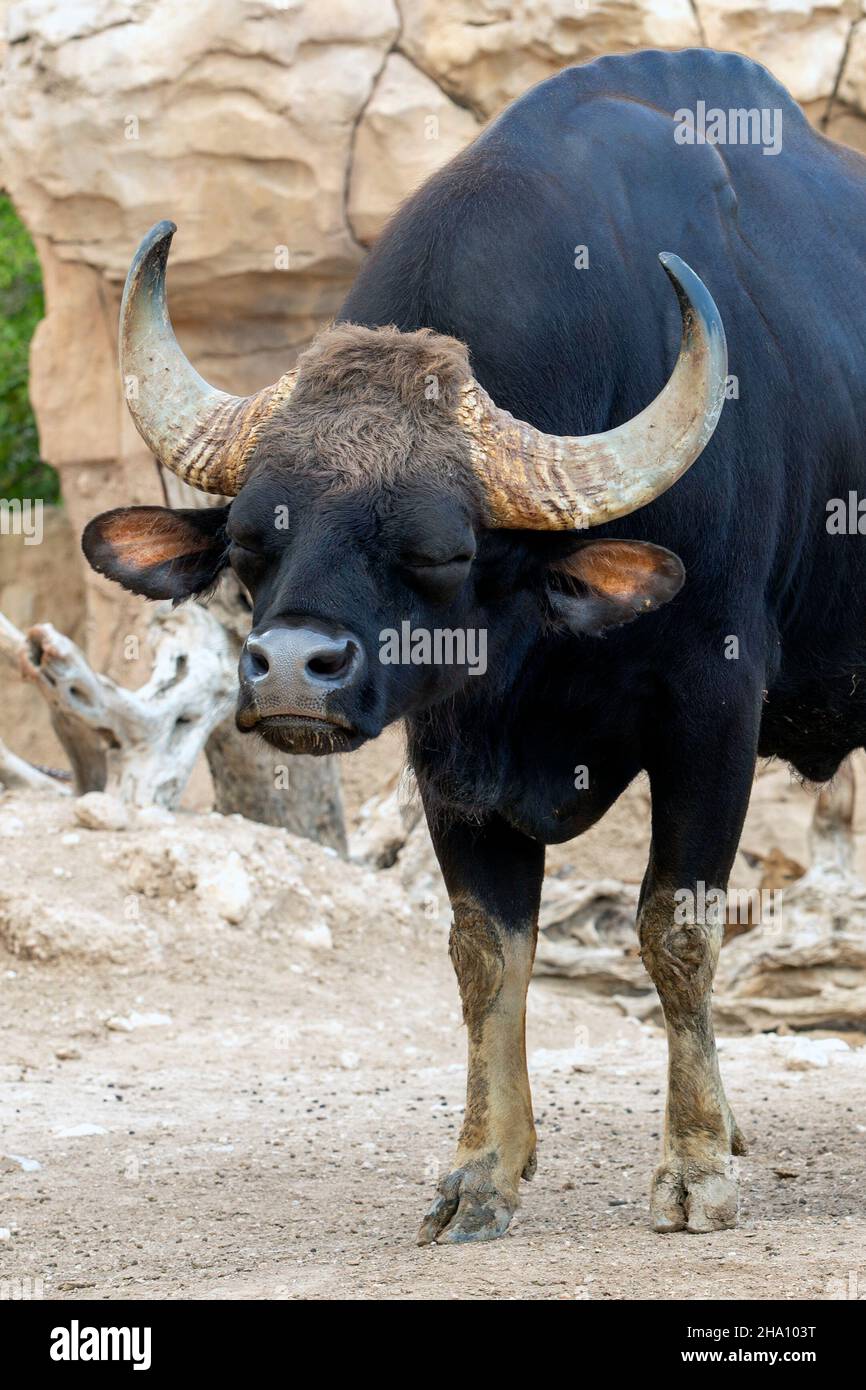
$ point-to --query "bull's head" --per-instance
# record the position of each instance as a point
(374, 486)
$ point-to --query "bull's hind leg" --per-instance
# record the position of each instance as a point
(699, 799)
(493, 875)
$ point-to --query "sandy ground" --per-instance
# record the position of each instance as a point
(279, 1133)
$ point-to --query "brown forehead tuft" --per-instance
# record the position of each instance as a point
(373, 404)
(347, 358)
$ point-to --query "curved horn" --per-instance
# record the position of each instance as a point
(538, 481)
(203, 435)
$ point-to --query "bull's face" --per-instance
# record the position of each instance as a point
(385, 512)
(337, 585)
(372, 603)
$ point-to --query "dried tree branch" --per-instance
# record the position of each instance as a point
(139, 745)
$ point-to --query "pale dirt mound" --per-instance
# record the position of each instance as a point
(238, 1064)
(174, 888)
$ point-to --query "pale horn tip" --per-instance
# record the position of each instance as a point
(147, 271)
(693, 294)
(160, 231)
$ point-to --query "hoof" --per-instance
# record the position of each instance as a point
(684, 1198)
(469, 1208)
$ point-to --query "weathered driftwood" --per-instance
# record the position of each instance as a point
(16, 773)
(802, 966)
(806, 970)
(12, 640)
(138, 745)
(141, 745)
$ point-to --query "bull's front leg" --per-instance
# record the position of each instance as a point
(493, 875)
(699, 799)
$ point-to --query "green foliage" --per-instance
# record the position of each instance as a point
(22, 472)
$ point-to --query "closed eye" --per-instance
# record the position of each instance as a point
(429, 562)
(247, 547)
(247, 563)
(438, 579)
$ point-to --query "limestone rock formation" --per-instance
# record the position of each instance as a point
(802, 42)
(409, 129)
(848, 118)
(484, 53)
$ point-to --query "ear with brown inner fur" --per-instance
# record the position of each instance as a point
(606, 583)
(157, 551)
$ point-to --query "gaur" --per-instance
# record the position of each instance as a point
(498, 434)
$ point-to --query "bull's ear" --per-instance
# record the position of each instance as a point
(606, 583)
(157, 551)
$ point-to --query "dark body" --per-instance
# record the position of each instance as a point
(485, 252)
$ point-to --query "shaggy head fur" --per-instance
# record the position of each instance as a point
(373, 406)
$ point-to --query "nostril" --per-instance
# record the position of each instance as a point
(332, 662)
(258, 663)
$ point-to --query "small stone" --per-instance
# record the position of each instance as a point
(318, 936)
(79, 1131)
(155, 816)
(228, 889)
(11, 1163)
(120, 1023)
(100, 811)
(809, 1054)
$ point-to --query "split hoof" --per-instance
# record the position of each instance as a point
(469, 1207)
(684, 1198)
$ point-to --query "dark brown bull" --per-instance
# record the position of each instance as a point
(383, 481)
